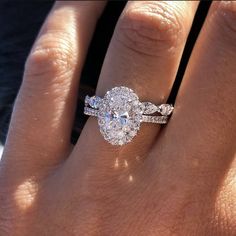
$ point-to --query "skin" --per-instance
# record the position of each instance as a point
(178, 180)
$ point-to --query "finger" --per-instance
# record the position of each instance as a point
(144, 55)
(42, 119)
(208, 92)
(145, 61)
(199, 142)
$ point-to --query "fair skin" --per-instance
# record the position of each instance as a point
(179, 180)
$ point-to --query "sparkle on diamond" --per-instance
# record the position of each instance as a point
(119, 115)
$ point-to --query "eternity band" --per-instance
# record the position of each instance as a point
(149, 119)
(120, 114)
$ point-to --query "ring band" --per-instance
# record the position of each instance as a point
(149, 119)
(120, 114)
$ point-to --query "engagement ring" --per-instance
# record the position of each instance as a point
(120, 114)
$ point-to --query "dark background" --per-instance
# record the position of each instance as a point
(20, 22)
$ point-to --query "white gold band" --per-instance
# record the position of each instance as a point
(149, 119)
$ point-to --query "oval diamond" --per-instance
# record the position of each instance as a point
(120, 115)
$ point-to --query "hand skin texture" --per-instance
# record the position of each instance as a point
(178, 180)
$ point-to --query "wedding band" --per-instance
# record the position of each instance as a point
(120, 114)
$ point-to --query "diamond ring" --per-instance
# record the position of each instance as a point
(120, 114)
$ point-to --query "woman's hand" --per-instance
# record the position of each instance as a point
(180, 180)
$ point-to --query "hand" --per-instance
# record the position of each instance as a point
(179, 180)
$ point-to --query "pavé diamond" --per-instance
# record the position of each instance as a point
(120, 115)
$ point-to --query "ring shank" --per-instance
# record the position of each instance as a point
(148, 119)
(155, 119)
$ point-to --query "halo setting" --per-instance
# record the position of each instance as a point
(120, 115)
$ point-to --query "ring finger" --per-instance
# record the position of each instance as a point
(144, 55)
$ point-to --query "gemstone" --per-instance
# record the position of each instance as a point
(94, 101)
(149, 108)
(87, 98)
(166, 109)
(119, 115)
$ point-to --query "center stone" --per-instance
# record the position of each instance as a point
(117, 118)
(119, 115)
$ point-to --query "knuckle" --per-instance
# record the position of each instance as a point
(227, 10)
(151, 27)
(50, 56)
